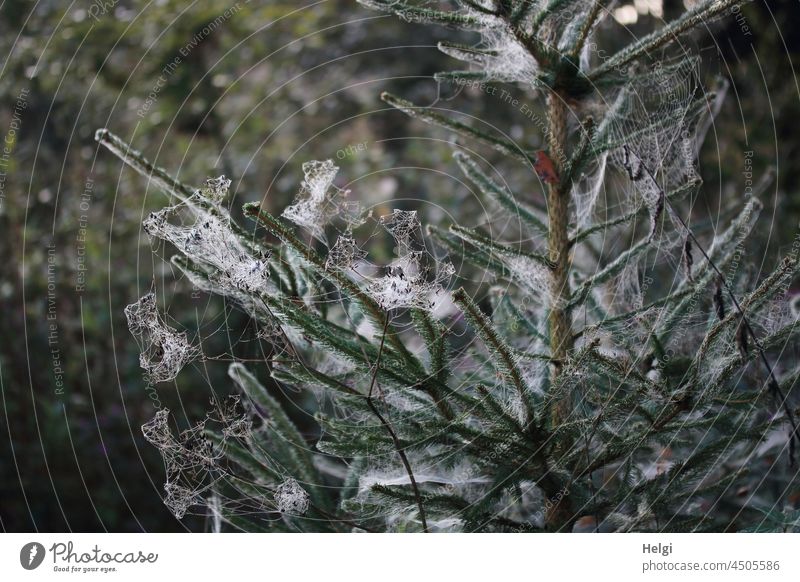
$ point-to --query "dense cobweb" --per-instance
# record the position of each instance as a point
(409, 282)
(198, 472)
(202, 230)
(164, 350)
(320, 201)
(654, 120)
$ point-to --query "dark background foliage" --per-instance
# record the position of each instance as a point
(275, 84)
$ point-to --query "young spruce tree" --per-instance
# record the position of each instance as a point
(624, 373)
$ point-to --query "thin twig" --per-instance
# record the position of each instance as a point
(397, 444)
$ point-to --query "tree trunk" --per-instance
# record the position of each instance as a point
(558, 249)
(559, 516)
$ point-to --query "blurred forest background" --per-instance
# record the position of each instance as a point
(272, 84)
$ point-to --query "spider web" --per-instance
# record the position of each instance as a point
(218, 258)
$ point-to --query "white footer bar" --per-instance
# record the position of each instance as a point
(401, 557)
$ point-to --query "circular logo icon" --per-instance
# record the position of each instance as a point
(31, 555)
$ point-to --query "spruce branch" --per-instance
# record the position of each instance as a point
(591, 18)
(465, 52)
(513, 19)
(425, 114)
(412, 13)
(243, 458)
(580, 156)
(143, 166)
(462, 76)
(542, 14)
(608, 272)
(702, 13)
(478, 7)
(610, 322)
(488, 245)
(288, 372)
(170, 185)
(506, 362)
(496, 408)
(435, 337)
(499, 194)
(474, 255)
